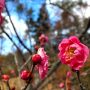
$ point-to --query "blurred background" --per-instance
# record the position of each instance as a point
(25, 21)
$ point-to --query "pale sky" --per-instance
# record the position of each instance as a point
(22, 27)
(85, 12)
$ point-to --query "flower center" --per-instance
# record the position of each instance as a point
(69, 54)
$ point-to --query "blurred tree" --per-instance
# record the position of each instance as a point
(69, 20)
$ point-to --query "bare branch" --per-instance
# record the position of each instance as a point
(13, 43)
(88, 25)
(57, 5)
(25, 63)
(85, 31)
(17, 33)
(16, 62)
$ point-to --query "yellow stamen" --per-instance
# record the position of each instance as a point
(70, 54)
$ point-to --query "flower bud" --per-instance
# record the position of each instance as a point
(61, 85)
(69, 74)
(36, 47)
(5, 77)
(25, 75)
(36, 58)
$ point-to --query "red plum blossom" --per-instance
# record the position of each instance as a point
(42, 67)
(73, 52)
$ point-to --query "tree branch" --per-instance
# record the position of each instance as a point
(25, 63)
(54, 4)
(13, 43)
(86, 29)
(17, 33)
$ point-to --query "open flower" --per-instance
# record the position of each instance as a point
(73, 52)
(42, 67)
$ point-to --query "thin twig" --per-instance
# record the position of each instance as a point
(17, 33)
(54, 4)
(16, 62)
(25, 63)
(80, 83)
(86, 29)
(88, 24)
(13, 43)
(8, 85)
(10, 38)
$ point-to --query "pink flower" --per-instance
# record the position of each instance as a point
(69, 74)
(73, 52)
(2, 4)
(43, 39)
(61, 85)
(42, 67)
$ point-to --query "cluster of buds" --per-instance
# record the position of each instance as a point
(40, 60)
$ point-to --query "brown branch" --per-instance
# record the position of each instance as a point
(13, 43)
(25, 63)
(87, 27)
(17, 33)
(54, 4)
(10, 39)
(8, 85)
(16, 62)
(66, 10)
(85, 31)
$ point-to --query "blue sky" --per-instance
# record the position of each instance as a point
(20, 24)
